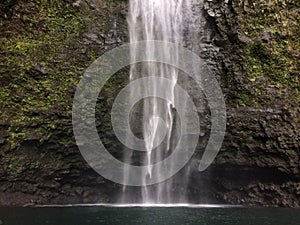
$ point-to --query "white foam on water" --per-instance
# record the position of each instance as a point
(145, 205)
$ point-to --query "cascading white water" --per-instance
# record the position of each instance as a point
(164, 20)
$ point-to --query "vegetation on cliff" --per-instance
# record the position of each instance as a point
(45, 47)
(272, 53)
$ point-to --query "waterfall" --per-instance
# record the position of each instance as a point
(169, 21)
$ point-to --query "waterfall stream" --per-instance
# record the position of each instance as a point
(169, 21)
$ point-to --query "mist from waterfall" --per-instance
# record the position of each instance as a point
(164, 20)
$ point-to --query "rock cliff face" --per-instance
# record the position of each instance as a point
(258, 62)
(45, 47)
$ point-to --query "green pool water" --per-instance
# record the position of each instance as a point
(98, 215)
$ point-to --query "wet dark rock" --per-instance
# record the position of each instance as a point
(2, 141)
(243, 38)
(39, 68)
(92, 38)
(37, 71)
(266, 36)
(4, 123)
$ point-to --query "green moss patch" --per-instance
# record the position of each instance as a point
(272, 57)
(37, 67)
